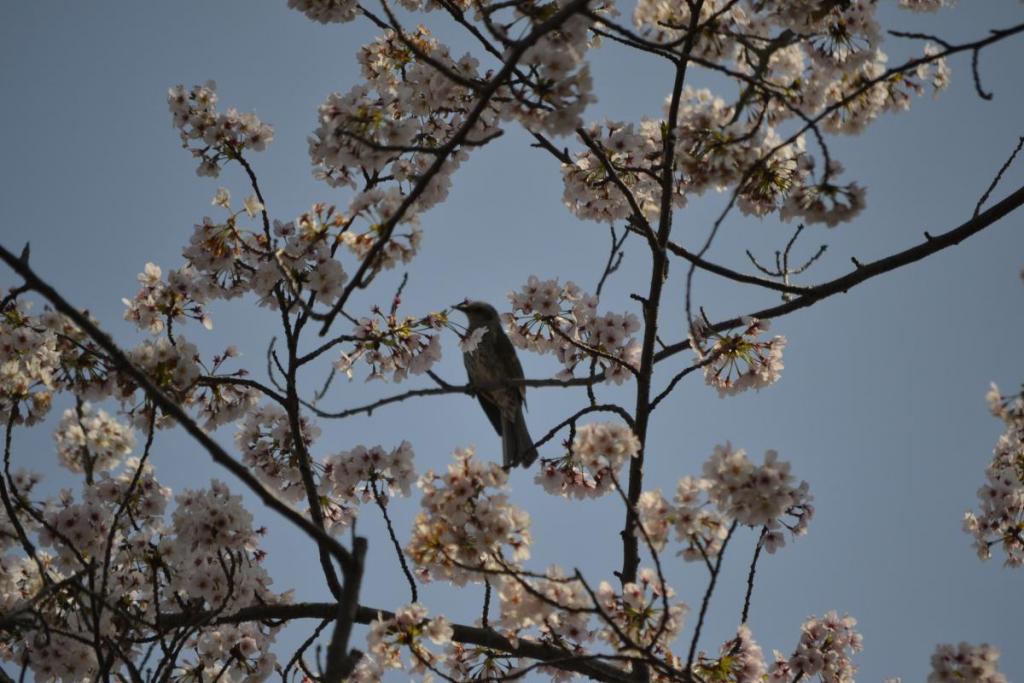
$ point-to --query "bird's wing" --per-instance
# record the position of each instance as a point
(490, 408)
(510, 362)
(493, 412)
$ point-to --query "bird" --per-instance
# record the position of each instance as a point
(491, 362)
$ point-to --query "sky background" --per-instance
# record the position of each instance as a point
(881, 405)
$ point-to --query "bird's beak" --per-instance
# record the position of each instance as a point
(461, 306)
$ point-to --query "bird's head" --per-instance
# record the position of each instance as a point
(478, 313)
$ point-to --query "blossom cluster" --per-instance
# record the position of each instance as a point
(77, 527)
(214, 261)
(159, 303)
(790, 59)
(211, 518)
(714, 149)
(556, 605)
(363, 474)
(43, 355)
(240, 650)
(642, 617)
(700, 528)
(734, 363)
(213, 554)
(221, 403)
(740, 491)
(393, 127)
(837, 50)
(280, 262)
(22, 483)
(266, 439)
(92, 441)
(225, 254)
(171, 364)
(406, 629)
(824, 202)
(548, 92)
(561, 608)
(966, 663)
(665, 22)
(29, 363)
(79, 530)
(629, 157)
(398, 137)
(552, 94)
(740, 660)
(267, 443)
(394, 346)
(301, 259)
(475, 662)
(210, 136)
(548, 317)
(757, 495)
(1007, 407)
(20, 577)
(214, 538)
(849, 103)
(1000, 518)
(825, 650)
(62, 658)
(305, 261)
(205, 558)
(327, 11)
(592, 462)
(377, 206)
(465, 529)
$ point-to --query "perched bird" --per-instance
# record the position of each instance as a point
(492, 361)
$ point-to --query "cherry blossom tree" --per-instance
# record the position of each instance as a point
(124, 579)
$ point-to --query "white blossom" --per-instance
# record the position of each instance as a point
(966, 663)
(90, 440)
(464, 526)
(591, 464)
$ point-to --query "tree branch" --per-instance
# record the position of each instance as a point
(867, 271)
(589, 666)
(171, 408)
(484, 95)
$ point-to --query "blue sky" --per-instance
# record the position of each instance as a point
(880, 406)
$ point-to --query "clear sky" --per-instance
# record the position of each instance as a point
(880, 407)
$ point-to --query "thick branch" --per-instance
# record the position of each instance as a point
(171, 408)
(867, 271)
(659, 262)
(471, 635)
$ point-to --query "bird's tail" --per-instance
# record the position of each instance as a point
(516, 445)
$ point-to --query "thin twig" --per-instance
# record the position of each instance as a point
(999, 176)
(382, 504)
(707, 597)
(750, 576)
